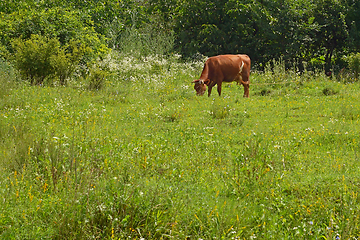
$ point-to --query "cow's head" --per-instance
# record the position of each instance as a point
(200, 86)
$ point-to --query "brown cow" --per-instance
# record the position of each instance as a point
(224, 68)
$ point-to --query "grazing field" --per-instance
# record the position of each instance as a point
(145, 158)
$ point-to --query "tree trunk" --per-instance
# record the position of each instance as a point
(328, 57)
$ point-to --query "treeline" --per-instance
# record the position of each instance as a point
(320, 33)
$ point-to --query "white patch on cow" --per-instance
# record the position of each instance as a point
(242, 65)
(240, 72)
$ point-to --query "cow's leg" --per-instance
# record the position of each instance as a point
(245, 82)
(210, 86)
(246, 88)
(219, 88)
(209, 90)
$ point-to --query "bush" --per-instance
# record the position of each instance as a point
(97, 78)
(65, 25)
(354, 64)
(32, 57)
(41, 57)
(49, 42)
(265, 92)
(328, 91)
(66, 60)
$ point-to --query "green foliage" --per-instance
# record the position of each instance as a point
(7, 78)
(97, 78)
(354, 64)
(146, 41)
(220, 109)
(329, 91)
(55, 23)
(39, 58)
(109, 17)
(9, 6)
(67, 59)
(265, 92)
(205, 31)
(330, 15)
(32, 57)
(297, 31)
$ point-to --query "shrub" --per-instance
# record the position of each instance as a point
(32, 57)
(265, 92)
(66, 60)
(329, 91)
(97, 78)
(40, 57)
(354, 64)
(65, 25)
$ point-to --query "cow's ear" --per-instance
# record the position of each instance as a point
(195, 81)
(207, 81)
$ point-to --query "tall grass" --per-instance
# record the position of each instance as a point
(143, 157)
(146, 41)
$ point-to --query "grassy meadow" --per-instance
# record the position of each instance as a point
(145, 158)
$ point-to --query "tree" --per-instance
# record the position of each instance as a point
(200, 26)
(263, 29)
(332, 33)
(353, 22)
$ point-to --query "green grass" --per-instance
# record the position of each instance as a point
(144, 157)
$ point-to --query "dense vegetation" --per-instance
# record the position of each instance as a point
(319, 33)
(103, 137)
